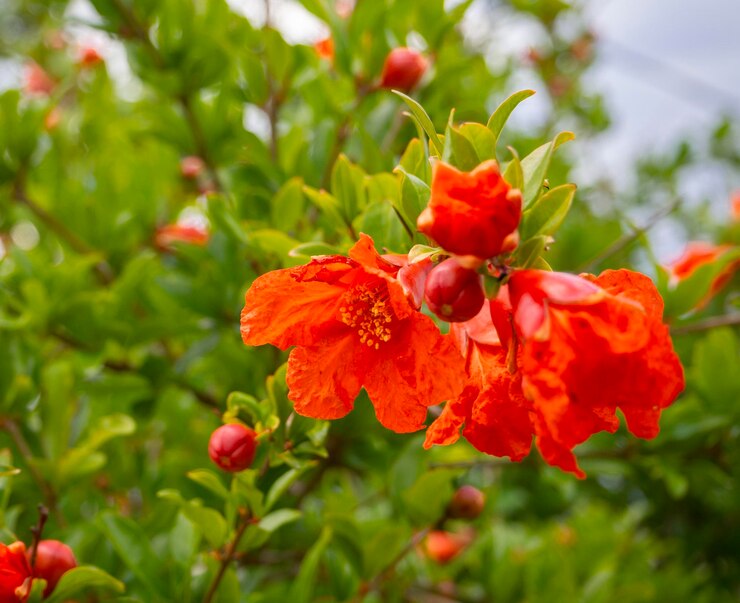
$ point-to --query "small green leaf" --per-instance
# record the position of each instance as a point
(530, 250)
(513, 174)
(79, 579)
(426, 500)
(414, 196)
(303, 586)
(276, 519)
(288, 205)
(424, 121)
(535, 166)
(312, 249)
(464, 156)
(208, 479)
(548, 212)
(281, 485)
(501, 115)
(482, 139)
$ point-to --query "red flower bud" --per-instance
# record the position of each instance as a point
(467, 503)
(443, 547)
(89, 57)
(53, 560)
(232, 447)
(454, 293)
(191, 167)
(403, 69)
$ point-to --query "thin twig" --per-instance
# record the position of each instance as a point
(628, 238)
(50, 496)
(228, 556)
(707, 324)
(201, 147)
(384, 574)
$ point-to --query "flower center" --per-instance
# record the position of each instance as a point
(368, 309)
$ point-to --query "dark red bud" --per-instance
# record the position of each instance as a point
(53, 560)
(467, 503)
(232, 447)
(403, 69)
(191, 167)
(454, 293)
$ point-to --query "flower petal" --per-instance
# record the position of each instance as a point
(422, 368)
(323, 380)
(284, 311)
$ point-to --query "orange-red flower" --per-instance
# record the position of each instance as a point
(590, 345)
(36, 81)
(170, 234)
(471, 213)
(492, 406)
(325, 48)
(15, 573)
(353, 326)
(698, 254)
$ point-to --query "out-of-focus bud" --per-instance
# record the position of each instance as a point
(452, 292)
(403, 69)
(467, 503)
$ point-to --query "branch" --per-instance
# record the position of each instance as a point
(707, 324)
(201, 147)
(229, 556)
(102, 268)
(50, 496)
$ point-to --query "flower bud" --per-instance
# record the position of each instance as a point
(453, 293)
(53, 560)
(89, 57)
(191, 167)
(403, 68)
(467, 503)
(443, 547)
(232, 447)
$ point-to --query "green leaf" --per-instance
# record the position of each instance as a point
(347, 186)
(501, 115)
(535, 166)
(281, 485)
(327, 203)
(276, 519)
(424, 121)
(78, 580)
(132, 545)
(303, 586)
(548, 212)
(530, 250)
(414, 197)
(415, 161)
(288, 205)
(715, 357)
(383, 223)
(208, 479)
(513, 174)
(464, 156)
(482, 139)
(211, 523)
(427, 498)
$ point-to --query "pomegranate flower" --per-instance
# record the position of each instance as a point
(167, 236)
(353, 326)
(698, 254)
(590, 345)
(15, 573)
(492, 406)
(36, 82)
(471, 213)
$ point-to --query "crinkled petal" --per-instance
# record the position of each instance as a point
(445, 429)
(323, 380)
(284, 311)
(421, 368)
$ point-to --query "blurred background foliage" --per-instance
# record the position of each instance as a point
(118, 353)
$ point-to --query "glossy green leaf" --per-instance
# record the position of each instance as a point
(501, 115)
(548, 212)
(535, 166)
(79, 580)
(421, 117)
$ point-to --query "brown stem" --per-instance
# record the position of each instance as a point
(37, 530)
(201, 147)
(228, 556)
(708, 323)
(139, 32)
(391, 567)
(47, 490)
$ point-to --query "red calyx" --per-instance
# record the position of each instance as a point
(467, 503)
(53, 560)
(403, 69)
(232, 447)
(454, 293)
